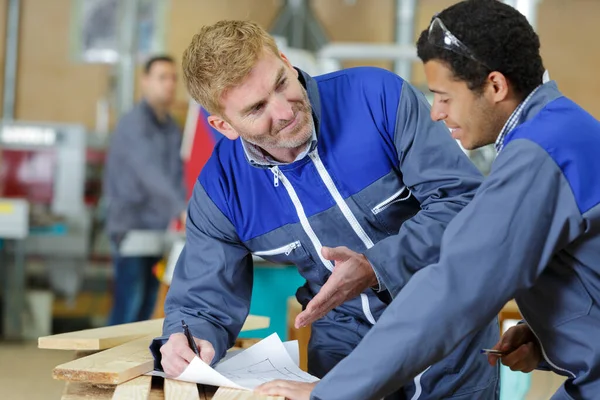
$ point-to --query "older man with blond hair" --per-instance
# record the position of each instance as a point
(343, 175)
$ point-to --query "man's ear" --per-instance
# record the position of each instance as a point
(223, 126)
(287, 62)
(498, 86)
(144, 81)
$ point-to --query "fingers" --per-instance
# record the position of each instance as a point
(289, 389)
(321, 304)
(493, 359)
(501, 345)
(173, 355)
(207, 351)
(174, 366)
(341, 253)
(176, 354)
(524, 359)
(512, 342)
(275, 387)
(532, 360)
(508, 341)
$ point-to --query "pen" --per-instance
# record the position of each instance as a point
(494, 352)
(190, 339)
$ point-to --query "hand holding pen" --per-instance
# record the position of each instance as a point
(190, 338)
(518, 349)
(181, 349)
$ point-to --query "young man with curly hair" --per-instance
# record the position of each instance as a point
(532, 232)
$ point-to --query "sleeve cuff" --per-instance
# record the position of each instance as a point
(380, 287)
(155, 346)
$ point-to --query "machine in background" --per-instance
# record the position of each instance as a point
(42, 211)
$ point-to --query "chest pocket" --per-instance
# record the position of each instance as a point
(293, 253)
(391, 211)
(289, 253)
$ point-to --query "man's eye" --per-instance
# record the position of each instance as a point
(281, 84)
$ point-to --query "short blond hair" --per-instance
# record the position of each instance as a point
(220, 56)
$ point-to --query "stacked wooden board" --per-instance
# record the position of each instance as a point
(111, 363)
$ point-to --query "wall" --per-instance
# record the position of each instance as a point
(372, 22)
(571, 53)
(426, 9)
(3, 4)
(51, 86)
(569, 32)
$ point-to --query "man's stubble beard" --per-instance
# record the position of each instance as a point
(297, 138)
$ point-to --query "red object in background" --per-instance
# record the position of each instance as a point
(94, 165)
(205, 138)
(28, 174)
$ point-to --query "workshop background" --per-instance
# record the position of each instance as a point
(70, 68)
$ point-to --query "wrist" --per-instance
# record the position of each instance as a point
(373, 279)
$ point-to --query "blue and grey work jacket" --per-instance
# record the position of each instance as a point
(532, 232)
(382, 179)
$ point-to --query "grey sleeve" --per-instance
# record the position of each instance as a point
(212, 281)
(499, 244)
(142, 159)
(442, 179)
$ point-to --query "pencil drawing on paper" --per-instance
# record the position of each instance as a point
(264, 371)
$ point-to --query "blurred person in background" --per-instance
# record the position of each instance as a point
(144, 187)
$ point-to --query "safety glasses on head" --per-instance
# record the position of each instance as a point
(440, 36)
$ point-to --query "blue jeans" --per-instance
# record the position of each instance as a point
(135, 289)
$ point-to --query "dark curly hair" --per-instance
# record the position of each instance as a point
(499, 37)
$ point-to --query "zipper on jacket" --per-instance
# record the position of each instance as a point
(350, 217)
(544, 352)
(287, 250)
(275, 176)
(396, 197)
(280, 177)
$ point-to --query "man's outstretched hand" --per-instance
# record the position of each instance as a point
(351, 276)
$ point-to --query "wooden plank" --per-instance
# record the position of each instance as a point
(111, 336)
(101, 338)
(113, 366)
(157, 394)
(135, 389)
(87, 391)
(83, 390)
(236, 394)
(179, 390)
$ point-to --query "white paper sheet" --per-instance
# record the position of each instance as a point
(293, 349)
(267, 360)
(200, 372)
